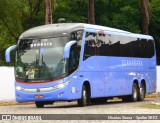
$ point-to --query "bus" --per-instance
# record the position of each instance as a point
(83, 62)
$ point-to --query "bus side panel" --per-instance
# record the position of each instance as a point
(118, 81)
(117, 85)
(91, 73)
(151, 75)
(75, 87)
(122, 72)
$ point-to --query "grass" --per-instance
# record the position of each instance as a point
(150, 106)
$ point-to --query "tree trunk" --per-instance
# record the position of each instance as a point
(48, 12)
(91, 16)
(145, 16)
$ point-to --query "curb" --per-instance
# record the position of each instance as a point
(154, 95)
(15, 103)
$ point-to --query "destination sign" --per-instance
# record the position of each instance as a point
(42, 44)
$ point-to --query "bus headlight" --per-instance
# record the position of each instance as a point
(19, 88)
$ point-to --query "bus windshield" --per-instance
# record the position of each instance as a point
(40, 60)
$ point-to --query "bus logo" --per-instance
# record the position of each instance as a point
(38, 90)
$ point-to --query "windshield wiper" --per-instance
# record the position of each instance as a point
(24, 79)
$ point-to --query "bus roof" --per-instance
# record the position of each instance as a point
(51, 30)
(62, 29)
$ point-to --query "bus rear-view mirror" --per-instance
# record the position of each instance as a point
(67, 49)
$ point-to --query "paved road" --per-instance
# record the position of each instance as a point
(111, 107)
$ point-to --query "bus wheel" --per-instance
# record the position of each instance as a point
(39, 104)
(141, 93)
(134, 96)
(84, 98)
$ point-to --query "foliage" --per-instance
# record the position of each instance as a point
(71, 10)
(155, 25)
(123, 19)
(19, 15)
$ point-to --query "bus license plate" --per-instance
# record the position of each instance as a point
(38, 96)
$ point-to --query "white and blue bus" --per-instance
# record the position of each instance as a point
(83, 62)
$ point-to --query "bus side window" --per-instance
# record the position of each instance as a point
(72, 64)
(143, 50)
(150, 48)
(89, 48)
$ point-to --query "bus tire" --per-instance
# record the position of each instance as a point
(134, 96)
(85, 96)
(141, 93)
(39, 104)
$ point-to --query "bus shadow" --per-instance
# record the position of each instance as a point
(110, 102)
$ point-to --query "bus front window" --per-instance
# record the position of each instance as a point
(40, 59)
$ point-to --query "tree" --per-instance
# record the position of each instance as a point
(19, 15)
(91, 16)
(48, 12)
(32, 12)
(118, 14)
(155, 25)
(145, 16)
(71, 10)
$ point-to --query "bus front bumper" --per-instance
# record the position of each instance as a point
(54, 93)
